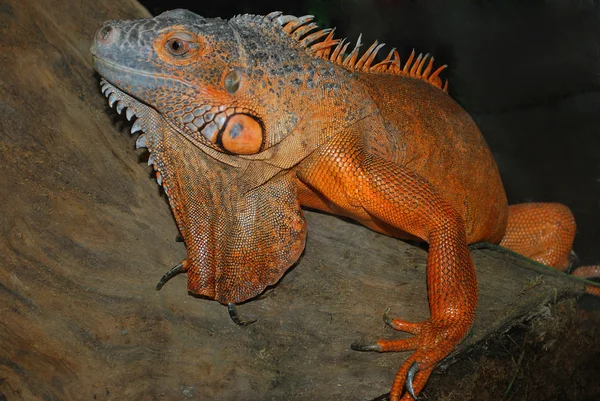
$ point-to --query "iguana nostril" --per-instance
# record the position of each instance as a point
(106, 34)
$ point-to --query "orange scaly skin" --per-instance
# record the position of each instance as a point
(248, 119)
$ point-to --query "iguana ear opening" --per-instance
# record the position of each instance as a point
(232, 81)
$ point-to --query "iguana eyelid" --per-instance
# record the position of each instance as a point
(184, 36)
(190, 46)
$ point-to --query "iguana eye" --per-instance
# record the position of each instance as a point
(178, 46)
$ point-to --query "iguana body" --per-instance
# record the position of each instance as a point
(247, 120)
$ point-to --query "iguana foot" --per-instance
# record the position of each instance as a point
(588, 272)
(543, 232)
(433, 340)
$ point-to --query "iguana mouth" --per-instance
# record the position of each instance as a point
(215, 123)
(205, 118)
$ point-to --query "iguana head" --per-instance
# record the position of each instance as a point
(238, 86)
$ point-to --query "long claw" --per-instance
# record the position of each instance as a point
(180, 268)
(366, 347)
(235, 317)
(387, 319)
(410, 377)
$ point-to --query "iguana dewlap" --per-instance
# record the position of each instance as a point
(249, 119)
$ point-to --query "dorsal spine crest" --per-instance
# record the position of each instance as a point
(322, 44)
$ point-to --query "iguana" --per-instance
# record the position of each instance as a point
(249, 119)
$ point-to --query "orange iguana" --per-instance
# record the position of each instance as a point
(249, 119)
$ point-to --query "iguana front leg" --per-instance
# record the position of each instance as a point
(365, 186)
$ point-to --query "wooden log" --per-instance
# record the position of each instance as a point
(86, 234)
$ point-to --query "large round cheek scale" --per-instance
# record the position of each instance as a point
(242, 135)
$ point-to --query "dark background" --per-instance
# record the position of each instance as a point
(527, 71)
